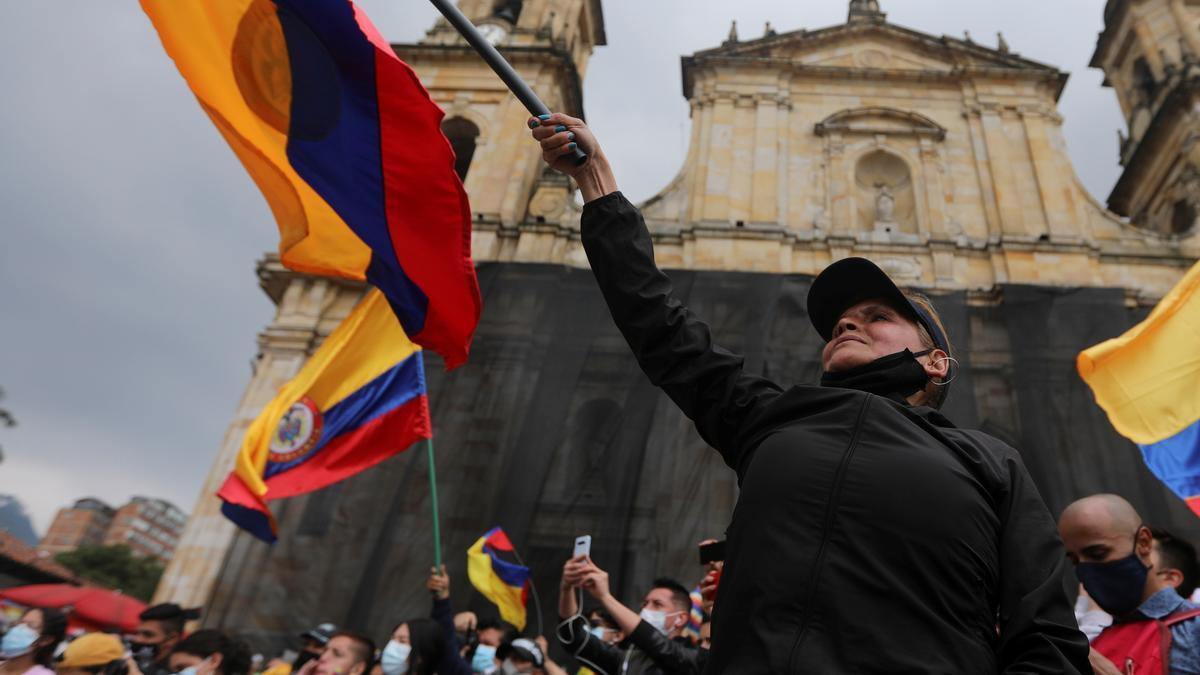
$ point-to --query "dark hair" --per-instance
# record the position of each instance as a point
(508, 631)
(54, 625)
(364, 646)
(605, 618)
(171, 616)
(1178, 554)
(679, 594)
(935, 393)
(428, 644)
(235, 654)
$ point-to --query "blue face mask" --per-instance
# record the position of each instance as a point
(1116, 586)
(484, 660)
(190, 670)
(597, 632)
(394, 660)
(17, 641)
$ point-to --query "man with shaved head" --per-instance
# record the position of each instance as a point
(1154, 629)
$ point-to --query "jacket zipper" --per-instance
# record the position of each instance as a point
(830, 511)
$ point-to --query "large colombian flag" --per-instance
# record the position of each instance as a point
(505, 584)
(346, 146)
(359, 400)
(1148, 381)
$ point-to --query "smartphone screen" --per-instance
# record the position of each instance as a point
(712, 552)
(583, 546)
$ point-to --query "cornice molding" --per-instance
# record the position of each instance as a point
(550, 55)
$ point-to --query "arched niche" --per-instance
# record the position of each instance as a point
(884, 195)
(463, 136)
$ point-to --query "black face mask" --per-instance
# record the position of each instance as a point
(1116, 586)
(898, 373)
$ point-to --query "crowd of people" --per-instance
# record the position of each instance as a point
(603, 636)
(1136, 582)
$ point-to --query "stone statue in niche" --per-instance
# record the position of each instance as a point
(885, 206)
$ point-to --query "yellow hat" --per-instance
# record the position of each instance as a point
(92, 649)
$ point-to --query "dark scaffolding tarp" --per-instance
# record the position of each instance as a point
(551, 431)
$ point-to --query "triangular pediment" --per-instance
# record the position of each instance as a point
(881, 46)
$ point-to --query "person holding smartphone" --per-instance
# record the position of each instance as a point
(654, 642)
(870, 534)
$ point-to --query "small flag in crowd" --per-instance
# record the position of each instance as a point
(358, 400)
(345, 144)
(505, 584)
(1148, 381)
(695, 616)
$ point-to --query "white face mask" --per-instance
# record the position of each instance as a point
(17, 641)
(394, 660)
(656, 619)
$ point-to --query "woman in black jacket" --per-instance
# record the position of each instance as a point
(870, 534)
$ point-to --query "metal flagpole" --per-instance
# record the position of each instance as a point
(437, 531)
(537, 603)
(493, 58)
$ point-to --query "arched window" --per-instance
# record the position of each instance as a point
(509, 10)
(462, 134)
(1183, 217)
(1143, 81)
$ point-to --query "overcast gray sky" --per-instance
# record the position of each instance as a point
(128, 302)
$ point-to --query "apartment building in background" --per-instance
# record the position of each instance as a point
(151, 527)
(84, 523)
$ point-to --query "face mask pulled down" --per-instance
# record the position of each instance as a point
(898, 373)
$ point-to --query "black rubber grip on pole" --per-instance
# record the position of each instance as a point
(497, 62)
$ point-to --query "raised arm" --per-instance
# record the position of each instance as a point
(451, 662)
(673, 347)
(667, 654)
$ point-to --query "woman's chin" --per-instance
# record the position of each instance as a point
(845, 359)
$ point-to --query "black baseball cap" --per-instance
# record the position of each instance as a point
(850, 281)
(320, 633)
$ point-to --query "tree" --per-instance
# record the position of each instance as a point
(115, 567)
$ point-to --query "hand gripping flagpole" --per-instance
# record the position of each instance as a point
(493, 58)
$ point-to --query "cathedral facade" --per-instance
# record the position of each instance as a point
(939, 158)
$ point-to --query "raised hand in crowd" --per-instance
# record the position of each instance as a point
(548, 665)
(653, 635)
(438, 583)
(572, 578)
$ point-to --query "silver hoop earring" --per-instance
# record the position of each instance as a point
(953, 360)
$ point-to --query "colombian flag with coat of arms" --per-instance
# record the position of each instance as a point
(359, 400)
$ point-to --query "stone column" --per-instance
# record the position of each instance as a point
(719, 168)
(1003, 184)
(1191, 34)
(1055, 176)
(763, 195)
(741, 180)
